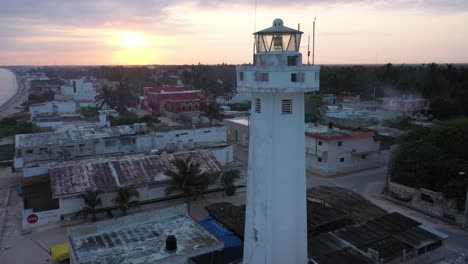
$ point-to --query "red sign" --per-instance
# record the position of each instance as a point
(32, 218)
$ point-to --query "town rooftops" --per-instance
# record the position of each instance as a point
(105, 174)
(70, 135)
(326, 133)
(140, 238)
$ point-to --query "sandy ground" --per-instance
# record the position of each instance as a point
(12, 106)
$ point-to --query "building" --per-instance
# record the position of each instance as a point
(51, 108)
(51, 195)
(275, 227)
(237, 130)
(141, 238)
(71, 143)
(406, 105)
(176, 99)
(79, 90)
(333, 151)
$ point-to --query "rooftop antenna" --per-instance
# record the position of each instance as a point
(313, 44)
(308, 50)
(255, 29)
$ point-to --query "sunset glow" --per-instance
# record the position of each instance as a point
(191, 32)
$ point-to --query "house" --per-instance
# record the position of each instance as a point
(52, 107)
(79, 90)
(333, 151)
(238, 130)
(177, 99)
(141, 238)
(406, 105)
(52, 195)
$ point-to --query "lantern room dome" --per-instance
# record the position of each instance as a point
(278, 38)
(277, 22)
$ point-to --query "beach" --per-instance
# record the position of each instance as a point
(13, 93)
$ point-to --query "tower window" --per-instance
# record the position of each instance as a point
(293, 77)
(261, 76)
(241, 76)
(341, 159)
(319, 159)
(292, 60)
(286, 107)
(258, 105)
(340, 143)
(320, 143)
(363, 156)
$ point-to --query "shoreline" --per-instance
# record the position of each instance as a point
(9, 107)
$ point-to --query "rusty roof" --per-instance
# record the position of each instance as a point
(106, 174)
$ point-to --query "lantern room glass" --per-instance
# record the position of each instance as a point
(277, 42)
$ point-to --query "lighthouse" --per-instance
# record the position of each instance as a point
(276, 216)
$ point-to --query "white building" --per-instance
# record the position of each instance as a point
(83, 142)
(51, 195)
(52, 107)
(80, 90)
(275, 226)
(332, 151)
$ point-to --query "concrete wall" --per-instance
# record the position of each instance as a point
(237, 133)
(48, 108)
(358, 153)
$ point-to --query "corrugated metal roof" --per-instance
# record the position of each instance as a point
(107, 173)
(417, 237)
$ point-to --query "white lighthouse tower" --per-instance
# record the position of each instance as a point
(276, 217)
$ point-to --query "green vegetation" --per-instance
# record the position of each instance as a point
(188, 179)
(243, 106)
(227, 180)
(432, 158)
(89, 111)
(129, 118)
(315, 109)
(11, 126)
(91, 200)
(124, 198)
(400, 122)
(7, 152)
(213, 111)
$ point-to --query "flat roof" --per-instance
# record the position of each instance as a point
(105, 174)
(68, 135)
(140, 238)
(241, 120)
(325, 133)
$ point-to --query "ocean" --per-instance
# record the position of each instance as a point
(8, 85)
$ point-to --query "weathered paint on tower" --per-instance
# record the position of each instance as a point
(276, 224)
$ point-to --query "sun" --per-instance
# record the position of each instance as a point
(132, 40)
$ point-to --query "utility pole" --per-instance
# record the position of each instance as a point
(313, 44)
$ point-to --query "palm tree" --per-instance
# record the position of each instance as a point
(124, 197)
(187, 178)
(91, 200)
(228, 179)
(105, 97)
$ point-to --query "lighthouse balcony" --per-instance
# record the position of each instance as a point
(303, 78)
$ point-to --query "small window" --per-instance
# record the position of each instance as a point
(29, 151)
(293, 77)
(258, 105)
(110, 143)
(363, 156)
(125, 141)
(241, 76)
(316, 76)
(183, 134)
(286, 107)
(261, 76)
(292, 60)
(340, 143)
(320, 143)
(319, 159)
(207, 131)
(341, 159)
(96, 141)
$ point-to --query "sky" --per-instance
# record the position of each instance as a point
(109, 32)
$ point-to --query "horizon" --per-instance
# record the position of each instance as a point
(189, 32)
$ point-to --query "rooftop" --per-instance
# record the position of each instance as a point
(241, 120)
(325, 133)
(68, 135)
(140, 238)
(73, 177)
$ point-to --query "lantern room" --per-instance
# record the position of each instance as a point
(277, 38)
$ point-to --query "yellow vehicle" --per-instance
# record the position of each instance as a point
(59, 252)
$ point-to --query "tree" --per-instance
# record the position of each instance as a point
(228, 179)
(124, 198)
(213, 111)
(106, 97)
(187, 177)
(88, 111)
(91, 200)
(315, 109)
